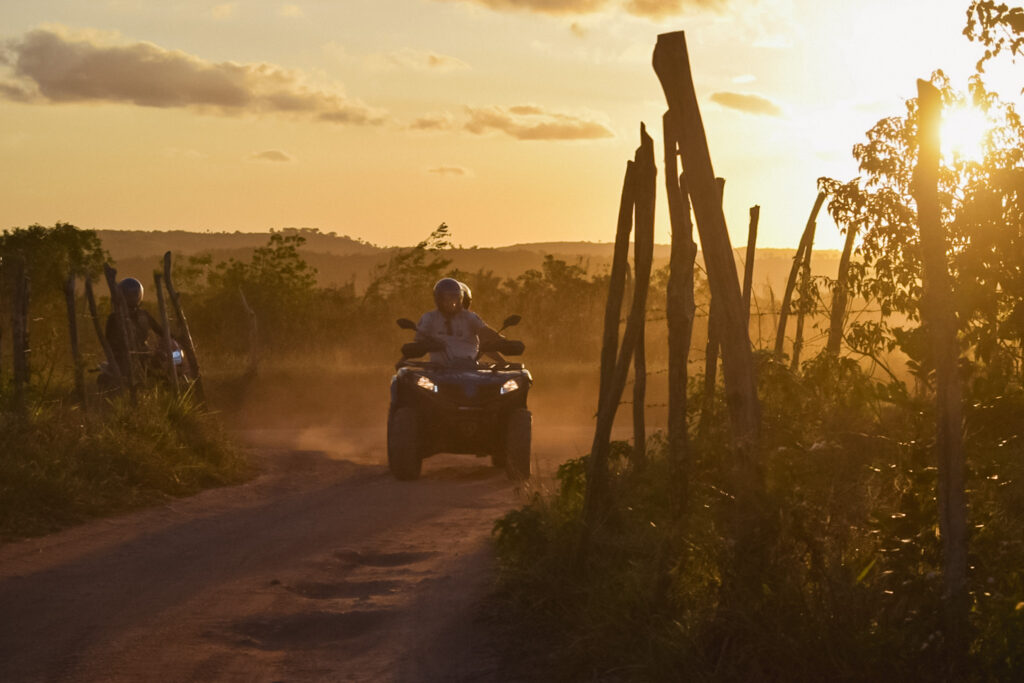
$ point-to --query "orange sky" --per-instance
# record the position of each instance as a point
(511, 120)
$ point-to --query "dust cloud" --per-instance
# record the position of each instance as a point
(340, 411)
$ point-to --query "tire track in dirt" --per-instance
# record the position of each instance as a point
(320, 569)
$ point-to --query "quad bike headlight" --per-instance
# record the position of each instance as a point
(509, 386)
(426, 383)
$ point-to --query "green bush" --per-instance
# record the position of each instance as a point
(840, 578)
(60, 466)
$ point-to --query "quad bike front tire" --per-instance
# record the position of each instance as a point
(403, 445)
(517, 444)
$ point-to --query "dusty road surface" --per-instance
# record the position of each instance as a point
(323, 568)
(320, 569)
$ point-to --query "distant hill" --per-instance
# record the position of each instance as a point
(340, 259)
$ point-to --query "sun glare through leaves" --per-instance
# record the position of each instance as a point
(964, 132)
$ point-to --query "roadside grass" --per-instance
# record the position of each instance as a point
(835, 574)
(60, 466)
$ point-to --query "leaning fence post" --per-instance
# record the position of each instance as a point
(76, 356)
(185, 333)
(108, 353)
(172, 371)
(940, 322)
(806, 303)
(119, 310)
(672, 65)
(680, 307)
(840, 296)
(596, 497)
(748, 265)
(643, 256)
(787, 297)
(711, 349)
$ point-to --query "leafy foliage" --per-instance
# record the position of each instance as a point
(981, 203)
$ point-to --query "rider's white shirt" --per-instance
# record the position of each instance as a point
(459, 333)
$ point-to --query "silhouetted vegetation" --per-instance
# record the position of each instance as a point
(847, 575)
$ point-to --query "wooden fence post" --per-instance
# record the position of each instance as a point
(680, 308)
(184, 333)
(806, 303)
(19, 330)
(787, 297)
(840, 295)
(643, 257)
(108, 353)
(172, 371)
(711, 349)
(617, 283)
(672, 65)
(596, 497)
(939, 320)
(119, 309)
(76, 356)
(748, 265)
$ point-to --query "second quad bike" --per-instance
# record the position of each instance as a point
(462, 406)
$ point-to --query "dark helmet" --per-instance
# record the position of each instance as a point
(448, 296)
(467, 296)
(132, 291)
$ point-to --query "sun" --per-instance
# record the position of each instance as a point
(964, 130)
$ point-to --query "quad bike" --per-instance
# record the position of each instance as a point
(463, 406)
(154, 365)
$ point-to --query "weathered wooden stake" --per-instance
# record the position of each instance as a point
(787, 297)
(617, 283)
(172, 371)
(672, 65)
(680, 307)
(841, 295)
(596, 498)
(184, 333)
(939, 320)
(711, 350)
(643, 257)
(119, 308)
(805, 303)
(108, 353)
(76, 356)
(748, 265)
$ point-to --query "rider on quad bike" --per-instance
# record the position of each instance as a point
(139, 324)
(452, 323)
(456, 403)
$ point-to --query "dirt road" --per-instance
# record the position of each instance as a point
(323, 568)
(320, 569)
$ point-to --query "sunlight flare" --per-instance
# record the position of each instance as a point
(964, 131)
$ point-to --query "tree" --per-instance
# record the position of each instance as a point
(981, 207)
(997, 26)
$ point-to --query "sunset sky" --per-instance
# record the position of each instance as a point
(511, 120)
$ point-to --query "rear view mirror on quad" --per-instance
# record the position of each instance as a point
(511, 321)
(406, 324)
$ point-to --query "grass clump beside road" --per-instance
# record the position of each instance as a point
(834, 574)
(60, 466)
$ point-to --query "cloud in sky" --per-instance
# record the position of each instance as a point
(49, 65)
(529, 122)
(751, 104)
(421, 61)
(444, 171)
(274, 155)
(652, 9)
(433, 122)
